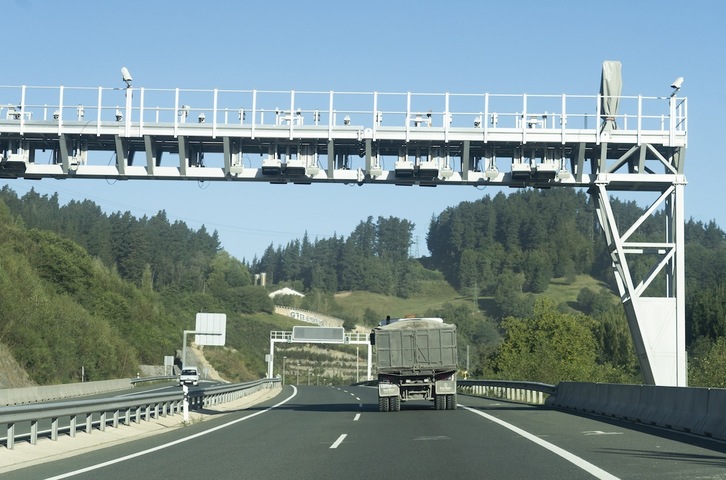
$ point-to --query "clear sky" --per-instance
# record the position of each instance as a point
(512, 47)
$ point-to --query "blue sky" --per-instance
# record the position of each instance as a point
(511, 47)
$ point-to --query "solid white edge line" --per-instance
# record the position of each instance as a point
(570, 457)
(339, 440)
(170, 444)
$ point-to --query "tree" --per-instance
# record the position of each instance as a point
(393, 238)
(709, 370)
(548, 346)
(537, 271)
(615, 344)
(706, 313)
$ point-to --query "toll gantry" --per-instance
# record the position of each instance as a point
(603, 142)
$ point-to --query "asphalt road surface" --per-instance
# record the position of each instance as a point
(316, 432)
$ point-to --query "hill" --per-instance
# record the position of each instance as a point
(82, 289)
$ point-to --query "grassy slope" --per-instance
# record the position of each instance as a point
(438, 293)
(434, 294)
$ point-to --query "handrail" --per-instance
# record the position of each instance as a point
(302, 110)
(128, 407)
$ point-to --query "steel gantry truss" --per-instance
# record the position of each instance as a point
(426, 139)
(347, 338)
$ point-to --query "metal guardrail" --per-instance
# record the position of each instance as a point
(515, 384)
(159, 378)
(82, 413)
(518, 391)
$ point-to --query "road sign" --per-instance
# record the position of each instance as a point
(212, 329)
(318, 334)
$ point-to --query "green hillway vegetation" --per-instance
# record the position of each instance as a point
(531, 295)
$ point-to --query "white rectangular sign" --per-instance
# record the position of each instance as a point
(212, 328)
(318, 334)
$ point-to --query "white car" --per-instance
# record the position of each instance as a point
(189, 376)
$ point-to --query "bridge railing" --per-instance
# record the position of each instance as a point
(85, 415)
(534, 393)
(326, 109)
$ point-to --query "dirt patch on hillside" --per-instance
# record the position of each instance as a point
(12, 375)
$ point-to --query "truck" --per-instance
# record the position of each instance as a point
(416, 360)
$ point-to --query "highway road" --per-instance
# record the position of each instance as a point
(316, 432)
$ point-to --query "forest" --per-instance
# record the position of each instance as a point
(70, 269)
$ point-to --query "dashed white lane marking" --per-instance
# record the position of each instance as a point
(357, 416)
(339, 440)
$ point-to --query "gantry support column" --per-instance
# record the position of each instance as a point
(657, 323)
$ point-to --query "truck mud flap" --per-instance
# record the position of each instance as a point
(445, 387)
(388, 390)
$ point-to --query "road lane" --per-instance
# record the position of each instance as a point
(326, 432)
(624, 449)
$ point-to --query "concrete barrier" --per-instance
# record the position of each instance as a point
(691, 408)
(621, 401)
(612, 400)
(20, 396)
(576, 396)
(701, 411)
(713, 424)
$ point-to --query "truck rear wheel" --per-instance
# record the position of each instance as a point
(451, 402)
(395, 404)
(382, 404)
(440, 402)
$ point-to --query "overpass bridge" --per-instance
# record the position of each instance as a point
(605, 142)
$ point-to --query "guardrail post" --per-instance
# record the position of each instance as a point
(11, 436)
(72, 429)
(34, 432)
(54, 429)
(186, 403)
(89, 422)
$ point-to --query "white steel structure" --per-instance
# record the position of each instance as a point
(604, 142)
(347, 338)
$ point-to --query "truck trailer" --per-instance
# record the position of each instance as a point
(416, 360)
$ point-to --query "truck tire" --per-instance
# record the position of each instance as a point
(451, 402)
(395, 404)
(382, 404)
(440, 402)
